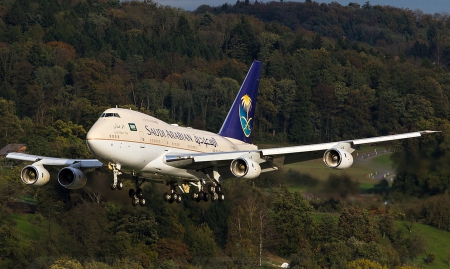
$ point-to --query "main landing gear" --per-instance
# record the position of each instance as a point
(213, 190)
(137, 195)
(173, 196)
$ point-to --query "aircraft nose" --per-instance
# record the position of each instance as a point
(91, 137)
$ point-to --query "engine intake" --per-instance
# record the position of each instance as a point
(338, 158)
(35, 175)
(245, 168)
(71, 178)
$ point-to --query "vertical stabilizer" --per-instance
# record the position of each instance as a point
(240, 118)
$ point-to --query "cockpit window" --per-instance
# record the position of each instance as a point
(106, 115)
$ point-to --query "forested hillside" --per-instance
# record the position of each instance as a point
(330, 72)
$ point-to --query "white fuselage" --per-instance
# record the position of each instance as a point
(138, 142)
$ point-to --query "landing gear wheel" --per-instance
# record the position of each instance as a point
(205, 197)
(112, 186)
(142, 201)
(221, 197)
(211, 188)
(193, 196)
(131, 193)
(200, 196)
(134, 201)
(213, 197)
(178, 200)
(174, 196)
(218, 188)
(167, 197)
(139, 193)
(119, 185)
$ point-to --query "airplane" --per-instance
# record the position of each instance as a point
(131, 143)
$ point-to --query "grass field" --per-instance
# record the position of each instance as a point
(436, 241)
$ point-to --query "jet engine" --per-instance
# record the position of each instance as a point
(245, 168)
(35, 175)
(71, 178)
(338, 158)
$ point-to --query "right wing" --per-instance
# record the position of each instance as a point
(71, 176)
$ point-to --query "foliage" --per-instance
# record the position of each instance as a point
(292, 222)
(330, 72)
(365, 264)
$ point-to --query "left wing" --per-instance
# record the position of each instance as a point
(335, 154)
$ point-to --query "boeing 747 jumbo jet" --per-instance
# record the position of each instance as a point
(136, 144)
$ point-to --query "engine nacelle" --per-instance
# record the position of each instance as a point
(338, 158)
(35, 175)
(245, 168)
(71, 178)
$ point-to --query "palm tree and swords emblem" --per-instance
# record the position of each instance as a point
(244, 109)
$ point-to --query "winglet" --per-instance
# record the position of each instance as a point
(239, 121)
(429, 132)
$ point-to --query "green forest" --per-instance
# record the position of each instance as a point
(330, 72)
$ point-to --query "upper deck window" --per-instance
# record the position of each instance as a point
(106, 115)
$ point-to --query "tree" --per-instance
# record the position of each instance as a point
(340, 186)
(66, 263)
(202, 245)
(292, 222)
(355, 222)
(10, 126)
(249, 232)
(386, 224)
(169, 249)
(365, 264)
(436, 211)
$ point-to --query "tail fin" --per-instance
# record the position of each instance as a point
(239, 121)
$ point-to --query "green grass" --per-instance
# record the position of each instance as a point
(436, 241)
(384, 160)
(25, 229)
(365, 187)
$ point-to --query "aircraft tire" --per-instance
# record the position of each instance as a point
(205, 197)
(178, 200)
(112, 186)
(193, 196)
(142, 201)
(199, 196)
(211, 188)
(131, 193)
(221, 197)
(218, 188)
(119, 185)
(134, 201)
(167, 197)
(139, 193)
(213, 197)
